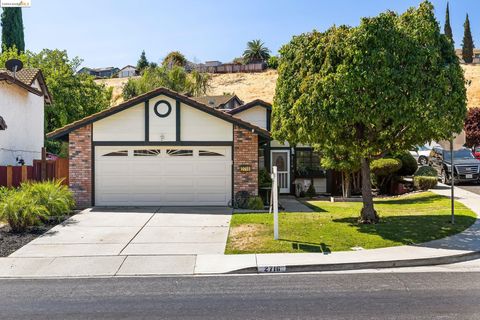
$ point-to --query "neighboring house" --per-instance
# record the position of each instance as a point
(127, 71)
(22, 99)
(476, 55)
(224, 102)
(164, 148)
(108, 72)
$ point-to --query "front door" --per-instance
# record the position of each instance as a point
(281, 159)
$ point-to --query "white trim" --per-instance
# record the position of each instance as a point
(288, 173)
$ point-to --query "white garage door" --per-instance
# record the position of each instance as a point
(164, 176)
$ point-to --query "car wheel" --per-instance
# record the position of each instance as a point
(444, 177)
(423, 160)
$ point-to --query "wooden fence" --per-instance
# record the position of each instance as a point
(13, 176)
(234, 68)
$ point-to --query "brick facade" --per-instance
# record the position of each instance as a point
(245, 152)
(80, 165)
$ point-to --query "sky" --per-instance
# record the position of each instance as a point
(114, 32)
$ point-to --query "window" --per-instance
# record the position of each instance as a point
(206, 153)
(308, 163)
(146, 153)
(121, 153)
(180, 153)
(261, 158)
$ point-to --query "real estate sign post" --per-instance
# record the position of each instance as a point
(275, 202)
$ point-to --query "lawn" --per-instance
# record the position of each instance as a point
(405, 220)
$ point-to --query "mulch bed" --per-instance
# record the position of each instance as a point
(11, 242)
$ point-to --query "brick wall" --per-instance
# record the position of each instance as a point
(80, 165)
(245, 145)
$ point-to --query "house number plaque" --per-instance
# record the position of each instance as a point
(245, 168)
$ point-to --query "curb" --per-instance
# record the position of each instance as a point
(420, 262)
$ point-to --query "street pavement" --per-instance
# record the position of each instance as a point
(295, 296)
(475, 188)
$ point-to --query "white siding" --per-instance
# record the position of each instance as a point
(162, 129)
(23, 114)
(255, 115)
(197, 125)
(126, 125)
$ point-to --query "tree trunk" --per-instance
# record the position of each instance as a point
(368, 214)
(346, 185)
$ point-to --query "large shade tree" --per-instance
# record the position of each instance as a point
(472, 127)
(387, 85)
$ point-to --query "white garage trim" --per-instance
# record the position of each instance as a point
(162, 175)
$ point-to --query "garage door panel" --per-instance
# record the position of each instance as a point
(162, 179)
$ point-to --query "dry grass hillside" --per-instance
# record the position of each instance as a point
(250, 86)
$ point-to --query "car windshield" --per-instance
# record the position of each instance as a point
(423, 148)
(477, 149)
(460, 154)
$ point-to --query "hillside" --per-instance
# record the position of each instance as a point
(250, 86)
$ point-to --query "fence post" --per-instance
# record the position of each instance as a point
(9, 176)
(275, 201)
(43, 165)
(24, 176)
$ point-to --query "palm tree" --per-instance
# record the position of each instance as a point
(256, 51)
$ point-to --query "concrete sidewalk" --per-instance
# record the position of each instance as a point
(461, 247)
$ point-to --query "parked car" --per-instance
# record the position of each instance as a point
(421, 154)
(467, 167)
(476, 152)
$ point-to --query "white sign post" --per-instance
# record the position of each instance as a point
(275, 202)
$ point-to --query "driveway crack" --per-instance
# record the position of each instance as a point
(128, 243)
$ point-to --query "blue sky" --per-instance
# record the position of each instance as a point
(114, 32)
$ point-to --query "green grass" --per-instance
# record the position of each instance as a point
(405, 220)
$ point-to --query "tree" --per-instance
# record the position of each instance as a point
(472, 127)
(256, 52)
(12, 29)
(467, 45)
(176, 79)
(448, 29)
(174, 58)
(74, 95)
(142, 62)
(359, 90)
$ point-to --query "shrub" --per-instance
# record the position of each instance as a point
(424, 182)
(53, 195)
(383, 170)
(311, 192)
(21, 211)
(272, 62)
(426, 171)
(409, 164)
(255, 203)
(264, 179)
(4, 192)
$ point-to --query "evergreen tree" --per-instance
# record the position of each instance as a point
(12, 29)
(448, 29)
(142, 62)
(467, 46)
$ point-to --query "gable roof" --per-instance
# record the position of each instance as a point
(249, 105)
(128, 66)
(64, 131)
(25, 79)
(217, 102)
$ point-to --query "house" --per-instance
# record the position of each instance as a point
(22, 100)
(476, 55)
(127, 71)
(223, 102)
(108, 72)
(164, 148)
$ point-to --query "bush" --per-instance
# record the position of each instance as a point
(424, 182)
(383, 171)
(21, 211)
(311, 192)
(385, 166)
(264, 179)
(426, 171)
(53, 195)
(255, 203)
(409, 164)
(272, 62)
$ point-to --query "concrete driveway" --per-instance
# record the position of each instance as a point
(135, 231)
